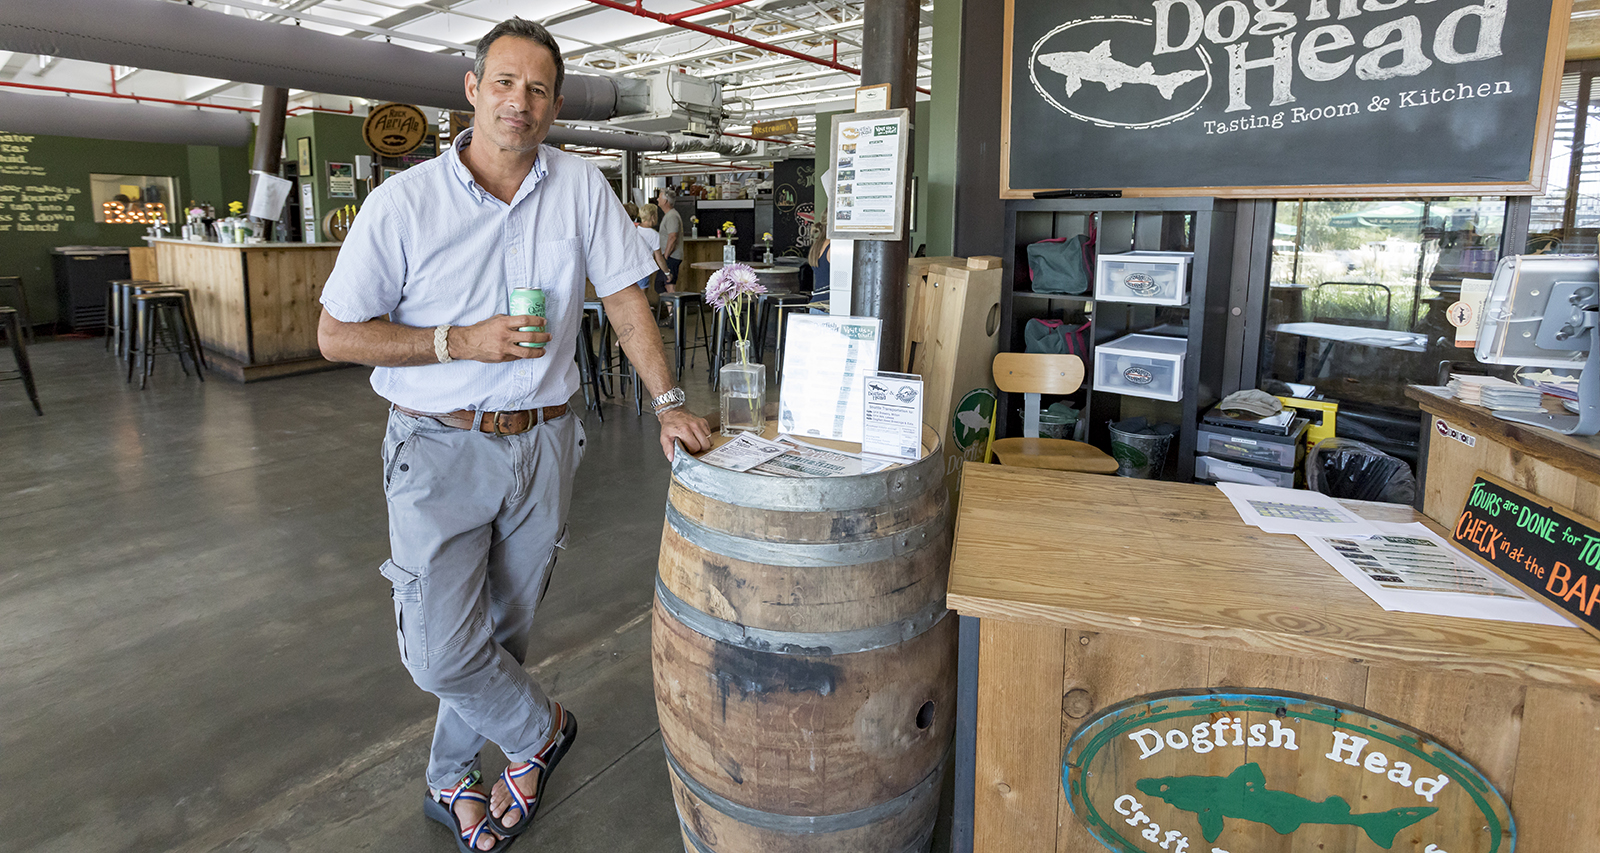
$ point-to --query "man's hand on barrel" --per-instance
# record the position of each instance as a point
(686, 427)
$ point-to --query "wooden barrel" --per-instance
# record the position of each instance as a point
(804, 660)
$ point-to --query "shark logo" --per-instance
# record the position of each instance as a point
(1134, 92)
(1097, 66)
(1244, 795)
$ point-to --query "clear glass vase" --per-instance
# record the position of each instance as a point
(744, 392)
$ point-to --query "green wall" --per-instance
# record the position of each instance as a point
(36, 171)
(939, 132)
(333, 137)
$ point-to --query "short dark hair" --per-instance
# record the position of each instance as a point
(521, 28)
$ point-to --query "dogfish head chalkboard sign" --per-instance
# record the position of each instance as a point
(1248, 97)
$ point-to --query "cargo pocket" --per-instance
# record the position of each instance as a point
(410, 630)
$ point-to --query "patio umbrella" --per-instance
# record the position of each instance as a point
(1397, 214)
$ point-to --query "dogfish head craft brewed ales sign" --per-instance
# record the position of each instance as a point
(1207, 772)
(1234, 95)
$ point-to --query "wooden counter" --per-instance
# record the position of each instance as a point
(256, 304)
(1560, 468)
(699, 250)
(1089, 591)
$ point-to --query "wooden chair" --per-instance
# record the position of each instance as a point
(1032, 374)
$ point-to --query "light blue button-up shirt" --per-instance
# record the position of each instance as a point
(430, 246)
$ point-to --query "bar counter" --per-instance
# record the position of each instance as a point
(256, 304)
(1079, 592)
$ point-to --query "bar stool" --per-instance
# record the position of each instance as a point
(617, 366)
(587, 367)
(19, 349)
(119, 307)
(682, 301)
(766, 303)
(165, 328)
(13, 283)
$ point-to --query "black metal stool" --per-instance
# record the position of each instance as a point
(119, 313)
(608, 366)
(681, 301)
(13, 283)
(19, 349)
(765, 304)
(165, 327)
(587, 368)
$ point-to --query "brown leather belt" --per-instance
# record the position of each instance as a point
(494, 423)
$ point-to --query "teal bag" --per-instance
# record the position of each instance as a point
(1059, 265)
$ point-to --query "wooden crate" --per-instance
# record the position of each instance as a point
(951, 337)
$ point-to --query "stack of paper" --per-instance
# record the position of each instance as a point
(1494, 393)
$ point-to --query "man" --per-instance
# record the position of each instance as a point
(481, 451)
(671, 234)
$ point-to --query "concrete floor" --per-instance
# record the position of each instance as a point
(197, 651)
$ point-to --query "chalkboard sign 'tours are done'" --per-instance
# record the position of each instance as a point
(1264, 97)
(1552, 552)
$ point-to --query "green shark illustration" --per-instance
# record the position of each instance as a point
(1243, 794)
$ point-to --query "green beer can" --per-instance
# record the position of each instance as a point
(527, 301)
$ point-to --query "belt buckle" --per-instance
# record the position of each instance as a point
(495, 424)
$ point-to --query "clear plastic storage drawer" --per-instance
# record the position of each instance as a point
(1154, 278)
(1277, 451)
(1222, 471)
(1141, 365)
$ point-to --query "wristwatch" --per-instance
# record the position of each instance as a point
(667, 402)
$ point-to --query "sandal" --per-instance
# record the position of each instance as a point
(546, 760)
(443, 809)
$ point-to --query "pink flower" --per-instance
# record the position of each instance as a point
(731, 283)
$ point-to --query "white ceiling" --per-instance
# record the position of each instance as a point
(758, 84)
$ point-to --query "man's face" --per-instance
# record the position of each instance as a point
(663, 200)
(515, 102)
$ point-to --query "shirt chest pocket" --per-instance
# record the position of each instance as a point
(558, 264)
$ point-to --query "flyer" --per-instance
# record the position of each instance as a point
(825, 359)
(868, 161)
(1409, 568)
(341, 180)
(1295, 511)
(744, 452)
(801, 459)
(891, 413)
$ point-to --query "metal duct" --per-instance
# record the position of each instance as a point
(720, 144)
(53, 116)
(608, 139)
(184, 39)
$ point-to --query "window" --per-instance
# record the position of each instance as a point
(1359, 297)
(133, 199)
(1567, 217)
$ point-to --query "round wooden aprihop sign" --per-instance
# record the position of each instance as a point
(1254, 773)
(394, 129)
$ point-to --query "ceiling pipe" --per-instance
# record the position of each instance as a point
(677, 20)
(53, 116)
(349, 110)
(638, 10)
(184, 39)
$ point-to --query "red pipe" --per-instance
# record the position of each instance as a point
(709, 7)
(113, 94)
(638, 10)
(113, 70)
(133, 97)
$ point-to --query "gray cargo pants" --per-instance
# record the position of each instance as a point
(474, 522)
